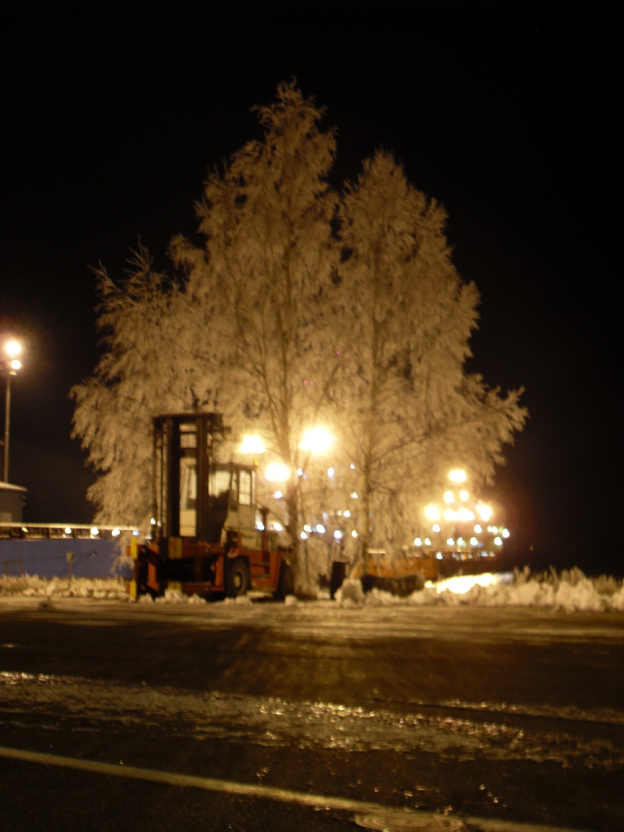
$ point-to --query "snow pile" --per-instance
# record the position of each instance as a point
(569, 590)
(351, 593)
(31, 586)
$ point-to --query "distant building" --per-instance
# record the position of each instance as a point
(12, 499)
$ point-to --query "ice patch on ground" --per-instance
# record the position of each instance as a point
(460, 733)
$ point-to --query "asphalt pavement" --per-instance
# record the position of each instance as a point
(309, 717)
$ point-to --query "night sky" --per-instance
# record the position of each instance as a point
(504, 112)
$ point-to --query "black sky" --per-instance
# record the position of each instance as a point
(504, 112)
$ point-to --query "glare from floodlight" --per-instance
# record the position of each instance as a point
(317, 440)
(252, 445)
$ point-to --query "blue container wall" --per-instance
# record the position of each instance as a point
(48, 558)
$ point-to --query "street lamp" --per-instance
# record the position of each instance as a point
(10, 364)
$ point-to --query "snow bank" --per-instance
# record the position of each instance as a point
(112, 589)
(569, 590)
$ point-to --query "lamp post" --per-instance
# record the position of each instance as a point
(10, 365)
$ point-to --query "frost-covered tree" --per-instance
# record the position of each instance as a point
(300, 311)
(408, 409)
(267, 262)
(153, 363)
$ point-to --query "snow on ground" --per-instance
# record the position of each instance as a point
(31, 586)
(569, 590)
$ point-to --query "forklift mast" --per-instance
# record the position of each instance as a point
(184, 459)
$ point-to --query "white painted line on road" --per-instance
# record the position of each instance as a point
(263, 792)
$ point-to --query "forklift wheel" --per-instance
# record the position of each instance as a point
(237, 581)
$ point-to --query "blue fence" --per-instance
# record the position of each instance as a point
(53, 558)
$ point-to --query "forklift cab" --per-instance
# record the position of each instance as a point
(198, 498)
(231, 502)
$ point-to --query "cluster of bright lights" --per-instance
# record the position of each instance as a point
(94, 531)
(456, 513)
(12, 349)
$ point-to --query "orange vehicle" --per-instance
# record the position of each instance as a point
(430, 564)
(209, 539)
(379, 564)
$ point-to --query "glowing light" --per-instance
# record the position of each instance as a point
(427, 542)
(431, 513)
(259, 526)
(352, 466)
(463, 495)
(278, 495)
(115, 532)
(135, 532)
(448, 497)
(450, 541)
(484, 511)
(68, 530)
(457, 475)
(505, 532)
(13, 348)
(278, 527)
(462, 583)
(354, 533)
(465, 515)
(252, 445)
(331, 472)
(498, 541)
(438, 555)
(307, 528)
(299, 472)
(94, 531)
(304, 535)
(317, 440)
(346, 513)
(449, 514)
(320, 528)
(417, 541)
(153, 521)
(338, 534)
(276, 472)
(15, 364)
(354, 494)
(435, 528)
(478, 529)
(474, 541)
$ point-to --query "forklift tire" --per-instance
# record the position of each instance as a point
(286, 583)
(237, 580)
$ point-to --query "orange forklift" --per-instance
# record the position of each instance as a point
(210, 538)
